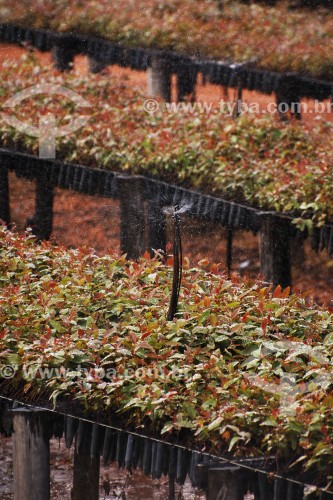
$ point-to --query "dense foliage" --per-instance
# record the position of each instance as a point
(279, 39)
(93, 330)
(293, 4)
(256, 160)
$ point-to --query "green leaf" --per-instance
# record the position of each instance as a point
(233, 441)
(56, 325)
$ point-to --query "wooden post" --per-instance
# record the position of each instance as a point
(240, 84)
(287, 97)
(186, 82)
(132, 216)
(229, 250)
(275, 259)
(42, 221)
(159, 78)
(238, 108)
(86, 467)
(62, 56)
(172, 490)
(4, 196)
(156, 228)
(297, 249)
(225, 483)
(31, 455)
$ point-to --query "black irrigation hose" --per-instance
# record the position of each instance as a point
(177, 265)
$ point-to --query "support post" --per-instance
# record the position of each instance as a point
(238, 108)
(297, 249)
(31, 455)
(240, 85)
(288, 98)
(159, 78)
(186, 82)
(4, 196)
(42, 221)
(156, 228)
(230, 234)
(225, 483)
(172, 489)
(275, 258)
(63, 55)
(132, 216)
(86, 467)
